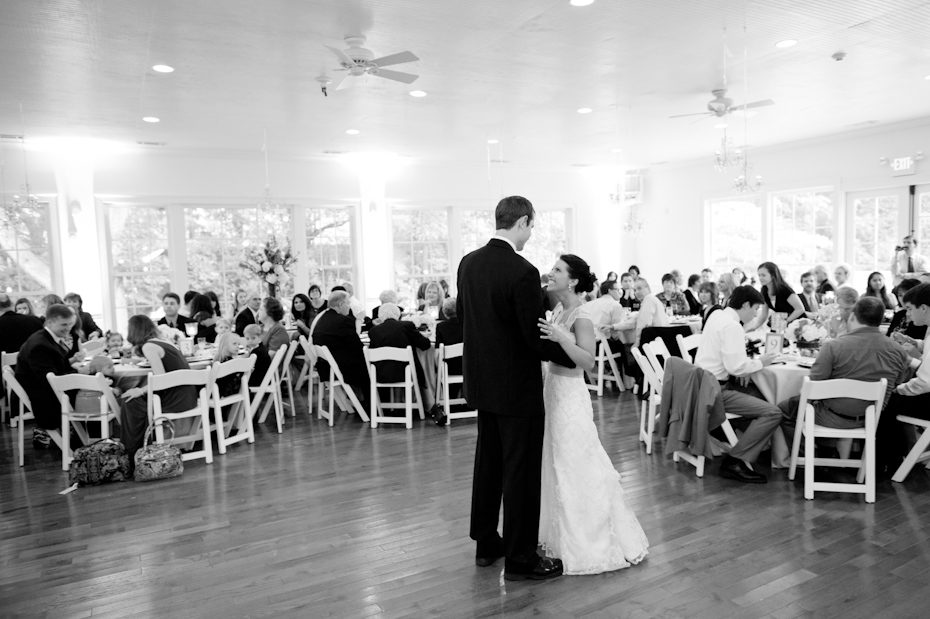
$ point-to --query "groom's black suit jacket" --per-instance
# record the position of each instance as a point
(499, 302)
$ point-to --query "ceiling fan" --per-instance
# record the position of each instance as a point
(721, 105)
(356, 61)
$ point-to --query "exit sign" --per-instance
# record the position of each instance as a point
(902, 166)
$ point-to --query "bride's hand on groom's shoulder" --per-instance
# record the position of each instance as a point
(554, 332)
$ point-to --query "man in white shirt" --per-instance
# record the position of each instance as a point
(357, 307)
(723, 353)
(651, 310)
(907, 262)
(606, 312)
(809, 297)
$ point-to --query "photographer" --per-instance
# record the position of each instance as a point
(907, 262)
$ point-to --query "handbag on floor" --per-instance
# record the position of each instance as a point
(160, 460)
(103, 461)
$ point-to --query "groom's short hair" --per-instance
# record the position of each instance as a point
(510, 209)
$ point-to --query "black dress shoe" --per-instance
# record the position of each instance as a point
(734, 468)
(488, 560)
(542, 569)
(489, 551)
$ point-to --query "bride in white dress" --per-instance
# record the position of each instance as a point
(583, 517)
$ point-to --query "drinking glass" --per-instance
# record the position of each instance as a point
(191, 329)
(201, 344)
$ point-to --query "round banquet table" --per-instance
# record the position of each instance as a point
(778, 383)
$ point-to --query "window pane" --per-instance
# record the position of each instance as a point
(25, 251)
(735, 233)
(329, 246)
(875, 234)
(802, 231)
(139, 250)
(421, 250)
(548, 240)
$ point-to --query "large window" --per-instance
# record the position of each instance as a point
(26, 264)
(139, 255)
(216, 241)
(549, 239)
(802, 230)
(329, 246)
(735, 233)
(875, 231)
(421, 249)
(477, 228)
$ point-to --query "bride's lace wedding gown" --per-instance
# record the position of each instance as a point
(583, 517)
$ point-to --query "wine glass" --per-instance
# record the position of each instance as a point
(191, 329)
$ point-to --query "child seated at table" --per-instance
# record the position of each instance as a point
(227, 347)
(115, 344)
(254, 346)
(222, 327)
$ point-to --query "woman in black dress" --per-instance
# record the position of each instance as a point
(777, 294)
(202, 314)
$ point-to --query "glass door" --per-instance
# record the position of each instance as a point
(877, 221)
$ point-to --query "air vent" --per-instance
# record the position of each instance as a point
(9, 137)
(499, 160)
(335, 152)
(152, 144)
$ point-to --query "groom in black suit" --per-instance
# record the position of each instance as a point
(499, 303)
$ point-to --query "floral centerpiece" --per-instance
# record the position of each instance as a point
(171, 334)
(807, 334)
(271, 263)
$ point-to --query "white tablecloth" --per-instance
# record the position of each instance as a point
(778, 383)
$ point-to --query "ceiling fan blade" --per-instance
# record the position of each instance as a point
(340, 82)
(398, 58)
(749, 106)
(344, 60)
(695, 114)
(397, 76)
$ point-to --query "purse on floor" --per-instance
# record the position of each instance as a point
(100, 462)
(159, 460)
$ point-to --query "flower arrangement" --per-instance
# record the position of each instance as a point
(170, 333)
(271, 263)
(807, 334)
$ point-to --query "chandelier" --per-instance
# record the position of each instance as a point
(745, 183)
(726, 155)
(267, 202)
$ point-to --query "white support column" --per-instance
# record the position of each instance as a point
(376, 237)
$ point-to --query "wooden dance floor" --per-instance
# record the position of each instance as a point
(351, 522)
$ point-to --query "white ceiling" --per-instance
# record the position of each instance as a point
(514, 70)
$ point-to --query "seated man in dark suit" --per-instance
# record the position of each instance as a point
(249, 313)
(47, 351)
(335, 329)
(15, 328)
(171, 303)
(396, 333)
(810, 298)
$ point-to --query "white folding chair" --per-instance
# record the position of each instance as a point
(688, 344)
(920, 452)
(285, 371)
(446, 379)
(93, 347)
(25, 407)
(334, 381)
(654, 350)
(308, 373)
(410, 385)
(7, 359)
(872, 392)
(200, 430)
(238, 418)
(108, 409)
(271, 387)
(650, 404)
(604, 357)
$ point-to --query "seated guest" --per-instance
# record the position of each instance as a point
(739, 276)
(163, 357)
(449, 330)
(227, 347)
(186, 309)
(810, 298)
(432, 301)
(651, 310)
(255, 346)
(707, 275)
(846, 297)
(671, 297)
(222, 326)
(606, 313)
(611, 276)
(214, 302)
(240, 300)
(862, 353)
(386, 296)
(823, 280)
(171, 303)
(335, 329)
(907, 331)
(627, 297)
(707, 295)
(88, 326)
(723, 353)
(249, 314)
(274, 335)
(115, 344)
(396, 333)
(202, 313)
(24, 307)
(777, 295)
(876, 288)
(691, 294)
(356, 306)
(15, 328)
(47, 350)
(76, 331)
(317, 303)
(634, 271)
(726, 284)
(300, 312)
(841, 274)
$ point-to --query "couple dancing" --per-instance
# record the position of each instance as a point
(560, 490)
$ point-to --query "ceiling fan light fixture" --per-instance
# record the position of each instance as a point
(151, 119)
(418, 93)
(786, 43)
(162, 68)
(585, 110)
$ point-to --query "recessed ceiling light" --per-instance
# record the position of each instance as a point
(721, 126)
(151, 119)
(352, 131)
(163, 68)
(418, 93)
(786, 43)
(585, 110)
(493, 141)
(580, 2)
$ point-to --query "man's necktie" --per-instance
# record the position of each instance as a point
(910, 264)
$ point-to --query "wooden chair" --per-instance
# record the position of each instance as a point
(108, 409)
(446, 379)
(239, 417)
(25, 407)
(271, 387)
(308, 373)
(872, 392)
(650, 404)
(920, 452)
(687, 345)
(7, 359)
(200, 430)
(410, 385)
(335, 381)
(605, 357)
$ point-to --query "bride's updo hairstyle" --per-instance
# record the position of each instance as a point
(579, 269)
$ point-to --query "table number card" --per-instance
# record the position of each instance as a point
(773, 343)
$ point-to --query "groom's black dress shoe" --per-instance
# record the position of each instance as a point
(734, 468)
(488, 560)
(541, 569)
(489, 551)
